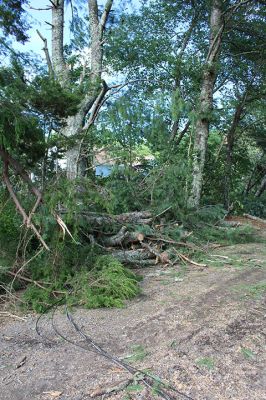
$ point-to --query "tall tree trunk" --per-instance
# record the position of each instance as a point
(75, 124)
(58, 61)
(206, 102)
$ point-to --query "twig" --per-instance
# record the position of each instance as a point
(24, 265)
(40, 9)
(185, 258)
(8, 314)
(188, 245)
(163, 212)
(23, 278)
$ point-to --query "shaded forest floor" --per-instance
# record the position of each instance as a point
(201, 329)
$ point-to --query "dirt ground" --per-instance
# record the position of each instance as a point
(203, 330)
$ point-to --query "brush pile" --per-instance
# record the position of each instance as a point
(135, 238)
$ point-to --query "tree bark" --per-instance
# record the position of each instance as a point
(100, 220)
(75, 124)
(206, 102)
(58, 60)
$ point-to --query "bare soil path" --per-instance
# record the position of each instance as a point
(203, 330)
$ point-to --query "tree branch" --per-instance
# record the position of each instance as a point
(26, 218)
(47, 55)
(105, 14)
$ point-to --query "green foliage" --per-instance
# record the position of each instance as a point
(100, 282)
(50, 98)
(9, 219)
(255, 291)
(12, 19)
(138, 354)
(207, 226)
(254, 206)
(108, 284)
(247, 353)
(9, 233)
(134, 388)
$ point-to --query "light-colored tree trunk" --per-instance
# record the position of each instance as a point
(75, 124)
(58, 61)
(206, 102)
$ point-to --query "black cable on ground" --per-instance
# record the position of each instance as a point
(147, 379)
(124, 365)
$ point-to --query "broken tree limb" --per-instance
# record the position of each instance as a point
(26, 218)
(185, 258)
(163, 257)
(257, 219)
(9, 160)
(170, 241)
(116, 239)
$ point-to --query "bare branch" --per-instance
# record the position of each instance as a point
(47, 55)
(97, 104)
(53, 4)
(26, 219)
(40, 9)
(48, 23)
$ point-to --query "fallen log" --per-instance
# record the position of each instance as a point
(135, 257)
(99, 220)
(257, 219)
(123, 237)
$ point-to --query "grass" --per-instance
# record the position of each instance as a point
(226, 235)
(248, 354)
(138, 354)
(255, 291)
(205, 362)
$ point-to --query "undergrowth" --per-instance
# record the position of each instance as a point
(106, 284)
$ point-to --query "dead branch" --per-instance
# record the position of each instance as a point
(47, 55)
(23, 278)
(163, 257)
(185, 258)
(26, 218)
(9, 315)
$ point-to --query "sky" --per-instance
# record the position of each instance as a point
(37, 20)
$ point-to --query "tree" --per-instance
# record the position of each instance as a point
(90, 84)
(206, 102)
(12, 19)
